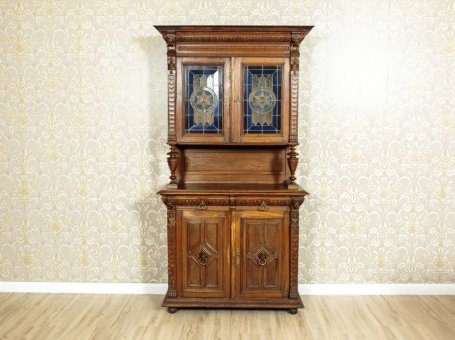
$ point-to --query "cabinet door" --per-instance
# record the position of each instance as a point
(204, 257)
(262, 259)
(202, 109)
(260, 101)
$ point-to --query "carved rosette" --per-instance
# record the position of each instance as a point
(294, 248)
(171, 246)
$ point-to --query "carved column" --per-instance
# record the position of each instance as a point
(294, 114)
(294, 248)
(171, 79)
(171, 247)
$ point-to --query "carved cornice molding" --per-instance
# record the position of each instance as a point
(232, 37)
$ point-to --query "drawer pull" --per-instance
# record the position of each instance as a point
(263, 206)
(202, 206)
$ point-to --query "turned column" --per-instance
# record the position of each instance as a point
(293, 160)
(172, 160)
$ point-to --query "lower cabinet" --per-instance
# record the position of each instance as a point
(234, 255)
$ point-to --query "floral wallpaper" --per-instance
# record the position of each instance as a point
(83, 130)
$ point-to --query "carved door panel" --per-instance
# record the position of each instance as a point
(205, 247)
(262, 259)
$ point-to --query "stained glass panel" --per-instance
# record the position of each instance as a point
(262, 99)
(203, 99)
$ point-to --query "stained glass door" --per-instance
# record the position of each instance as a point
(202, 113)
(261, 104)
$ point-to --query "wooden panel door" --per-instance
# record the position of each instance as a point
(261, 244)
(204, 258)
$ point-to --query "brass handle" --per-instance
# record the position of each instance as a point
(202, 256)
(262, 256)
(238, 256)
(202, 206)
(263, 206)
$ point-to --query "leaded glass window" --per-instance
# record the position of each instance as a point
(203, 99)
(262, 99)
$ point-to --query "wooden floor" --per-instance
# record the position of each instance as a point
(73, 316)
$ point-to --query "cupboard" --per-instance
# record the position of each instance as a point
(232, 200)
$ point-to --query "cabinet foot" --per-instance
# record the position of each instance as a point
(172, 310)
(292, 311)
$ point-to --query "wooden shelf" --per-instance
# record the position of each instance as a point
(237, 188)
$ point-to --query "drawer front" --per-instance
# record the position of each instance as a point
(201, 203)
(262, 203)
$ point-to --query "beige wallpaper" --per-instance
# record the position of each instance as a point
(83, 130)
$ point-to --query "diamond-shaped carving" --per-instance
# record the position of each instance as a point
(201, 254)
(262, 255)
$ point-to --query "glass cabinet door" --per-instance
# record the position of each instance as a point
(262, 104)
(201, 115)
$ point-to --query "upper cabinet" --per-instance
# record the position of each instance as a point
(233, 85)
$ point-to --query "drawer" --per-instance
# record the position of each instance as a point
(262, 203)
(201, 203)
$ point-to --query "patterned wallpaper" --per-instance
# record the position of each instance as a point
(83, 130)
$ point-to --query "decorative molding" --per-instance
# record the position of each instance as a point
(196, 201)
(230, 37)
(294, 249)
(259, 202)
(231, 201)
(294, 98)
(161, 288)
(172, 255)
(171, 84)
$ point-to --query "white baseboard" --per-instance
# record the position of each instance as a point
(377, 289)
(160, 288)
(83, 287)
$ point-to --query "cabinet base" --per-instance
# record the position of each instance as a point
(279, 303)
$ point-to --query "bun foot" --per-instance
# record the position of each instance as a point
(292, 311)
(172, 310)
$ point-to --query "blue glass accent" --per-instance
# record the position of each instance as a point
(216, 88)
(258, 128)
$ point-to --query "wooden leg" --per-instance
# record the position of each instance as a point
(292, 311)
(172, 310)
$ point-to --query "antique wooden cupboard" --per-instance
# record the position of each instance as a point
(232, 201)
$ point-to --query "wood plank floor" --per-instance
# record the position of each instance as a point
(74, 316)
